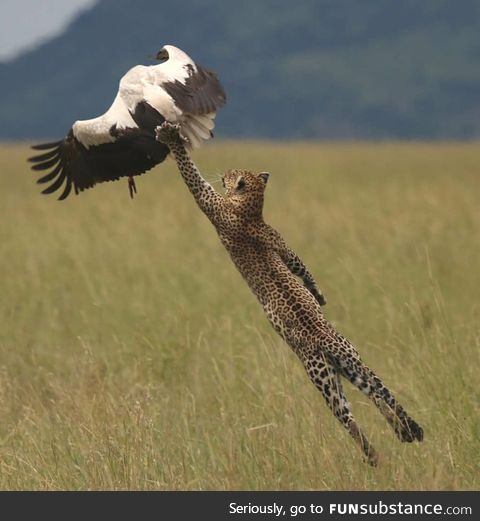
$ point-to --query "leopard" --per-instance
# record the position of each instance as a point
(288, 293)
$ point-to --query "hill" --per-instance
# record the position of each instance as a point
(318, 69)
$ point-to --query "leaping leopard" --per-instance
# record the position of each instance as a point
(271, 269)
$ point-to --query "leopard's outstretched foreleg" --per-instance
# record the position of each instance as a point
(210, 202)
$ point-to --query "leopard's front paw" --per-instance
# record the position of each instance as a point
(169, 134)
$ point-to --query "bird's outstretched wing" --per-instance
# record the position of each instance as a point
(70, 164)
(199, 93)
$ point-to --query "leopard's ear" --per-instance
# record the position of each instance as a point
(264, 176)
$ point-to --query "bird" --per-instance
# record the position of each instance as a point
(121, 142)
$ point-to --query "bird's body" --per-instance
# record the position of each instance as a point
(121, 142)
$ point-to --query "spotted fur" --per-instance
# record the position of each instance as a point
(270, 268)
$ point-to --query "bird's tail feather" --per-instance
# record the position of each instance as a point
(195, 131)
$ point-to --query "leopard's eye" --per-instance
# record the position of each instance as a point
(241, 184)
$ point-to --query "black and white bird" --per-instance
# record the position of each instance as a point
(121, 142)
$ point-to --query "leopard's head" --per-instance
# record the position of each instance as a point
(245, 190)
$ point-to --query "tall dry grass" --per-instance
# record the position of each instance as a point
(133, 356)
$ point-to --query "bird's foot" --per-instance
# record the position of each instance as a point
(131, 186)
(170, 134)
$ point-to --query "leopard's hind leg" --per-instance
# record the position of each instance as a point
(350, 365)
(406, 429)
(327, 379)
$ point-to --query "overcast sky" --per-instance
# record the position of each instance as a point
(25, 23)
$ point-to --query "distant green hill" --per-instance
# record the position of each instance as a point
(305, 69)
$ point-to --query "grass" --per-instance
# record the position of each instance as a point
(133, 356)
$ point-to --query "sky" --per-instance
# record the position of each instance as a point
(26, 23)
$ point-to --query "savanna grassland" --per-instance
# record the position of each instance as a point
(133, 356)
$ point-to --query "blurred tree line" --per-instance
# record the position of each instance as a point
(306, 69)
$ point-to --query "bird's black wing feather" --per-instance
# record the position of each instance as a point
(73, 165)
(201, 92)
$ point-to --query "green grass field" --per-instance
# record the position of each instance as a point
(133, 356)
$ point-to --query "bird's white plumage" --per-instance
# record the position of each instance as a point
(97, 130)
(157, 98)
(145, 83)
(174, 68)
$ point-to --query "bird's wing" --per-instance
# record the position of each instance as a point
(73, 165)
(96, 150)
(185, 93)
(199, 92)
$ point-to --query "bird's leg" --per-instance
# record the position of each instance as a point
(131, 186)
